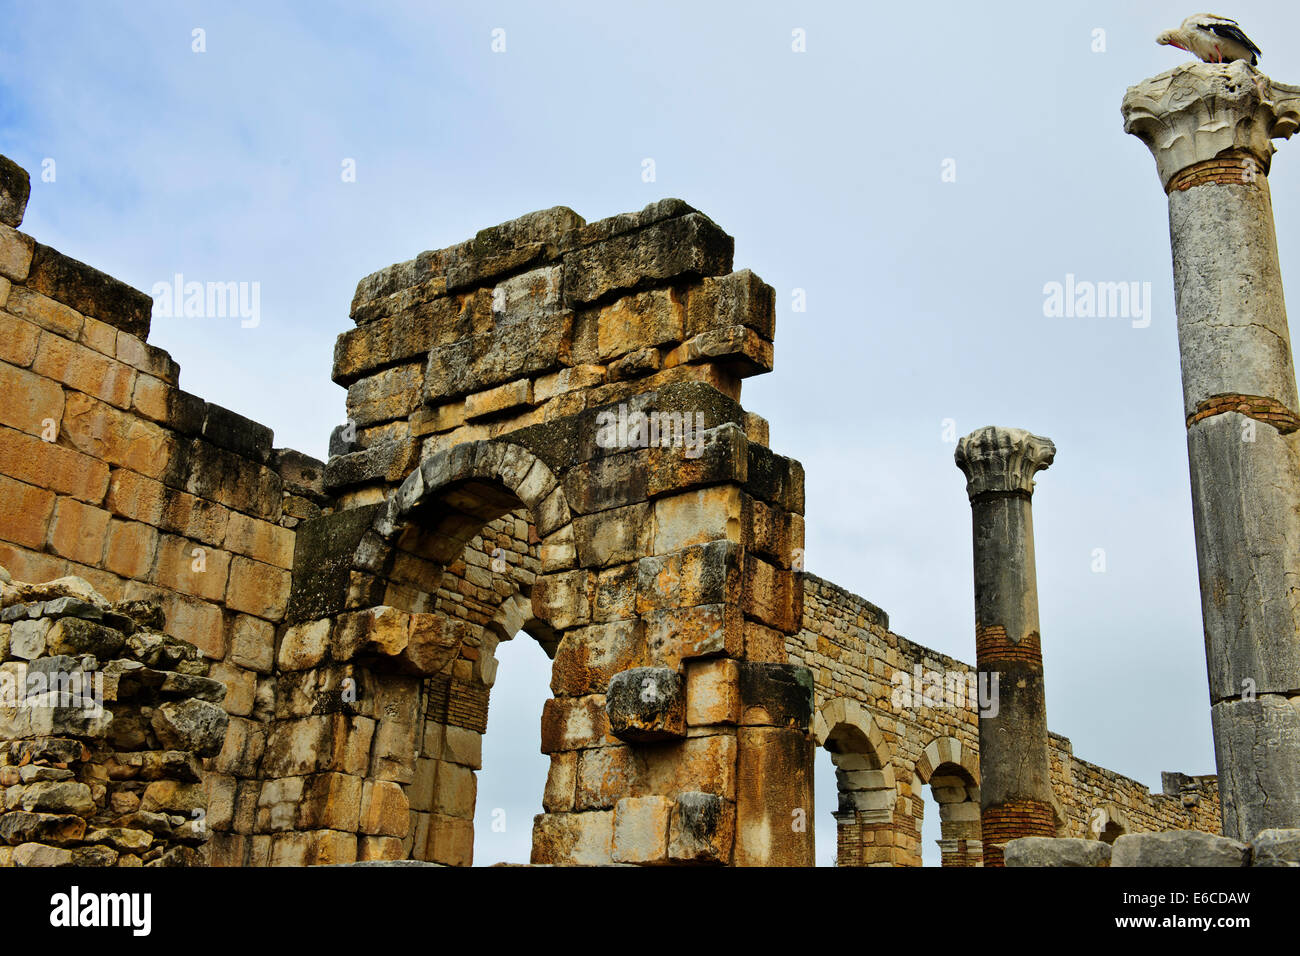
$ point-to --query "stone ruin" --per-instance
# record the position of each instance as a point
(102, 762)
(544, 436)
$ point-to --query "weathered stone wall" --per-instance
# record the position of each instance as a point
(111, 472)
(861, 670)
(103, 718)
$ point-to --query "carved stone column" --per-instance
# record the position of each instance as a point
(1015, 787)
(1210, 128)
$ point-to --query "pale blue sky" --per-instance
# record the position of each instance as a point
(924, 297)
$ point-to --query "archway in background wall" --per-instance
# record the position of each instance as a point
(1108, 823)
(952, 774)
(867, 795)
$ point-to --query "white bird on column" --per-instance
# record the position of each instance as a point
(1212, 38)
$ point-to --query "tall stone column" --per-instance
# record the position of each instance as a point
(1015, 787)
(1210, 128)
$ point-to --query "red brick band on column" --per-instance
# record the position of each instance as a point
(1267, 410)
(1010, 821)
(1235, 168)
(1018, 818)
(993, 647)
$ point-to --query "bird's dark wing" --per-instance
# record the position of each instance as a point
(1230, 31)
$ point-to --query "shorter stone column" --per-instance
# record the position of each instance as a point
(1016, 797)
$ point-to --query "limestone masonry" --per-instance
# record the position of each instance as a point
(545, 435)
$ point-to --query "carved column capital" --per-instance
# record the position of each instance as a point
(1196, 111)
(1002, 459)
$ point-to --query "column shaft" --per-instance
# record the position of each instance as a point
(1209, 128)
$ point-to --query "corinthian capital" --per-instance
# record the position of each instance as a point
(1002, 459)
(1196, 111)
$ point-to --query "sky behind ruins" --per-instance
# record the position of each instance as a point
(921, 191)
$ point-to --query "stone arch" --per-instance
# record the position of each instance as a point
(431, 532)
(864, 775)
(951, 770)
(1108, 822)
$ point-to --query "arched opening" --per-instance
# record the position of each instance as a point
(1107, 823)
(949, 772)
(865, 794)
(513, 774)
(487, 588)
(460, 551)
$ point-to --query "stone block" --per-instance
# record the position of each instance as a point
(1178, 848)
(15, 254)
(386, 395)
(391, 339)
(196, 725)
(701, 574)
(96, 376)
(252, 643)
(235, 433)
(190, 568)
(774, 798)
(450, 840)
(15, 188)
(1048, 851)
(257, 589)
(1276, 847)
(60, 469)
(686, 245)
(455, 791)
(304, 645)
(647, 704)
(129, 548)
(712, 692)
(90, 291)
(573, 839)
(25, 512)
(574, 723)
(34, 404)
(772, 596)
(740, 298)
(636, 321)
(463, 747)
(696, 517)
(737, 350)
(18, 337)
(561, 782)
(610, 481)
(500, 400)
(702, 829)
(260, 540)
(616, 536)
(708, 630)
(641, 829)
(384, 809)
(388, 461)
(589, 656)
(562, 599)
